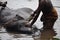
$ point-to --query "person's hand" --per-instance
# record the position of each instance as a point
(30, 18)
(27, 25)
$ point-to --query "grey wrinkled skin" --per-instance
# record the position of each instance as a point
(7, 14)
(20, 15)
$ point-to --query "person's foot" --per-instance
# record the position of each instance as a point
(28, 25)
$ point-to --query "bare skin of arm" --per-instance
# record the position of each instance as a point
(36, 14)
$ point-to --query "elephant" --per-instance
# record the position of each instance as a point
(14, 20)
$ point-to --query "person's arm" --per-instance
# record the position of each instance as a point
(37, 12)
(34, 13)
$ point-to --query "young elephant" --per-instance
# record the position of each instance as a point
(12, 22)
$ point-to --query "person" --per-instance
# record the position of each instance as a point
(2, 5)
(48, 17)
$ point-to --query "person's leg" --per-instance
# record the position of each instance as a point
(49, 21)
(48, 24)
